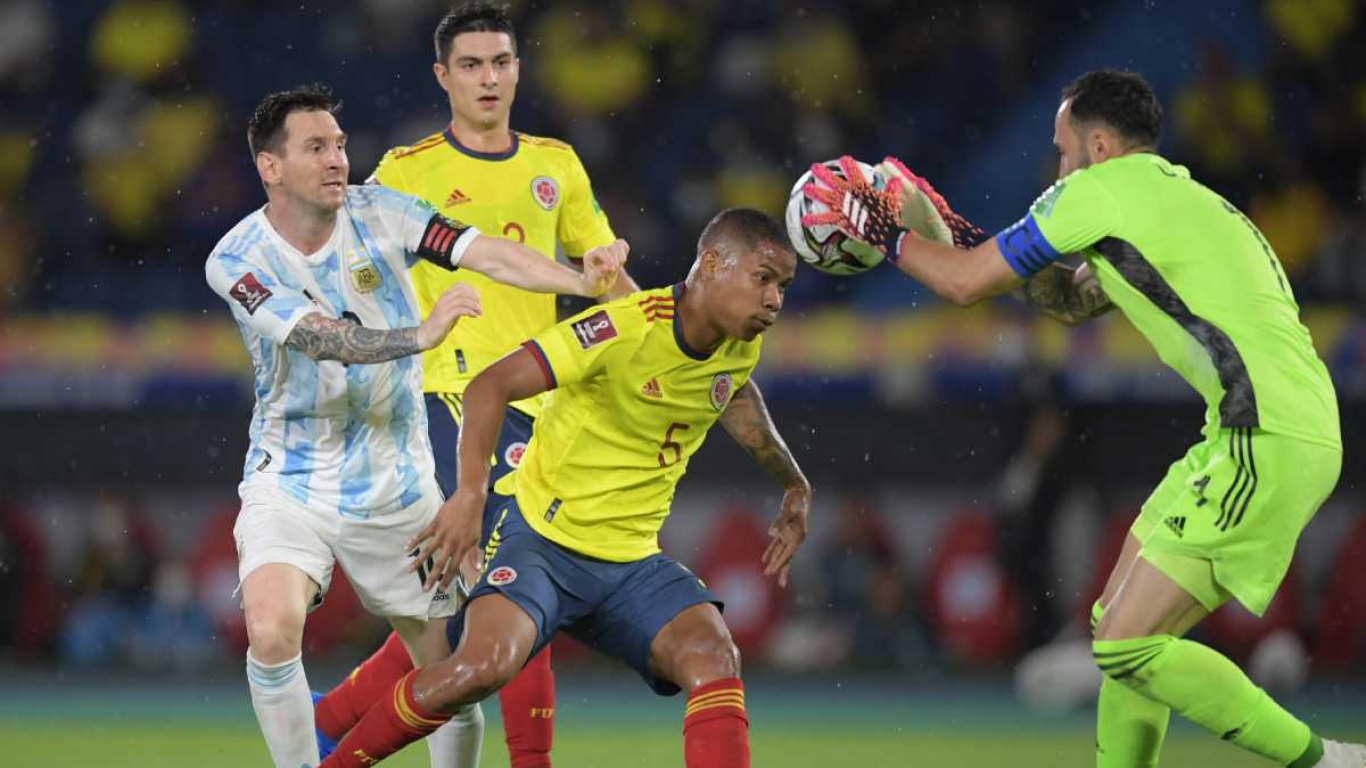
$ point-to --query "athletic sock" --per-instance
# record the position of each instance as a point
(528, 704)
(1206, 688)
(395, 721)
(1130, 727)
(716, 726)
(344, 705)
(457, 743)
(284, 708)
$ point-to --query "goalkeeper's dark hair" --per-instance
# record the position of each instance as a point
(473, 16)
(1122, 100)
(742, 228)
(266, 128)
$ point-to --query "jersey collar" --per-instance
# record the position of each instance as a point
(476, 154)
(679, 288)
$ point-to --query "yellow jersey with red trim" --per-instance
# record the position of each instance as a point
(537, 193)
(632, 403)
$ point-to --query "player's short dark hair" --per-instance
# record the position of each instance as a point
(745, 228)
(266, 128)
(473, 16)
(1122, 100)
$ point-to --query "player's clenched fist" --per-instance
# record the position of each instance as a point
(602, 265)
(460, 300)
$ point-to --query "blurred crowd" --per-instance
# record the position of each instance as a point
(122, 157)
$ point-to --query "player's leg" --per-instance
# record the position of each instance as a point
(456, 744)
(285, 563)
(494, 635)
(1268, 494)
(341, 707)
(275, 597)
(373, 552)
(662, 621)
(528, 702)
(1130, 727)
(695, 651)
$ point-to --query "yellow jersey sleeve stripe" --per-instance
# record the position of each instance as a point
(543, 141)
(425, 144)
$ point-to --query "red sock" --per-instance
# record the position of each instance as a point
(394, 722)
(529, 713)
(343, 706)
(716, 727)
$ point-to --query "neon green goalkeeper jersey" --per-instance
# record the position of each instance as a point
(1198, 280)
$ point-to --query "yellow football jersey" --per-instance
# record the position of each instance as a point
(536, 193)
(632, 403)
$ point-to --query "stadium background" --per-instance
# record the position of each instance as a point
(973, 468)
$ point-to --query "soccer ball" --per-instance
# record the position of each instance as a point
(825, 247)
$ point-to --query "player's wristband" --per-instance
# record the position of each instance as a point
(1025, 248)
(444, 241)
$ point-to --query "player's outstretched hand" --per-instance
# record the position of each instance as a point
(925, 212)
(448, 538)
(460, 300)
(788, 531)
(602, 266)
(870, 216)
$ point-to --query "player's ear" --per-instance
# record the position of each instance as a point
(710, 262)
(268, 165)
(441, 73)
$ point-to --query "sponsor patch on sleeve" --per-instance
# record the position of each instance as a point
(594, 329)
(249, 292)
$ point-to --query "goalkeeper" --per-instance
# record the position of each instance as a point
(1201, 283)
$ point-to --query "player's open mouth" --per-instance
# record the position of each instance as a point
(334, 185)
(489, 100)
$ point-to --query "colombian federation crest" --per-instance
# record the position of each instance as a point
(502, 575)
(721, 386)
(546, 192)
(513, 455)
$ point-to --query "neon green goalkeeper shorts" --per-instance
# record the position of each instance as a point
(1224, 521)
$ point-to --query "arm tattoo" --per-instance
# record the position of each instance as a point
(747, 420)
(1055, 293)
(323, 338)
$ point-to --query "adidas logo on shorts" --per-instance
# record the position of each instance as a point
(1177, 524)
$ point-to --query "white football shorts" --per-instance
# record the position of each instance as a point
(274, 527)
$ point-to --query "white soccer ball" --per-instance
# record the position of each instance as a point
(825, 247)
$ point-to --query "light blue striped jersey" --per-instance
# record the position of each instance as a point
(347, 437)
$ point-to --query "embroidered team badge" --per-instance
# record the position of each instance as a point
(546, 192)
(594, 329)
(249, 292)
(513, 455)
(366, 277)
(721, 386)
(502, 575)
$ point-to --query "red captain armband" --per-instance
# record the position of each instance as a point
(444, 241)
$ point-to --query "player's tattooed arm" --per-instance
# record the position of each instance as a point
(1070, 295)
(746, 419)
(324, 338)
